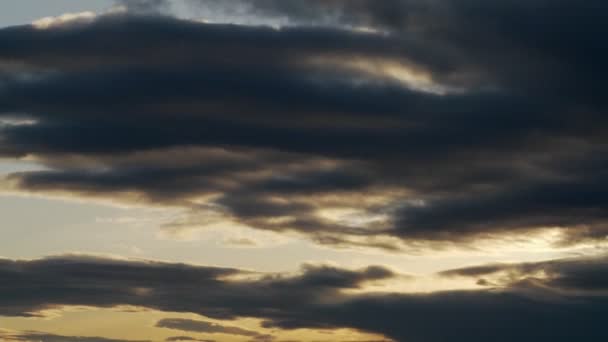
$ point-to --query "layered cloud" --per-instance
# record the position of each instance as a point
(209, 328)
(442, 122)
(568, 302)
(35, 336)
(587, 275)
(185, 338)
(387, 124)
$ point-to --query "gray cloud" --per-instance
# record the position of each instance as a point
(145, 7)
(34, 336)
(207, 328)
(504, 133)
(569, 303)
(107, 283)
(507, 149)
(582, 274)
(186, 338)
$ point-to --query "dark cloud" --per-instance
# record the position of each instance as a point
(34, 336)
(569, 302)
(29, 281)
(425, 121)
(582, 274)
(516, 42)
(499, 129)
(43, 283)
(171, 42)
(556, 204)
(186, 338)
(365, 13)
(208, 328)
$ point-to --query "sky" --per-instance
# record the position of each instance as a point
(303, 170)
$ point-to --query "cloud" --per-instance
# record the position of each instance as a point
(570, 302)
(207, 328)
(87, 280)
(144, 7)
(274, 127)
(33, 336)
(64, 19)
(580, 274)
(186, 338)
(353, 123)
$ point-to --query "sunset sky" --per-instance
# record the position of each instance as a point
(303, 170)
